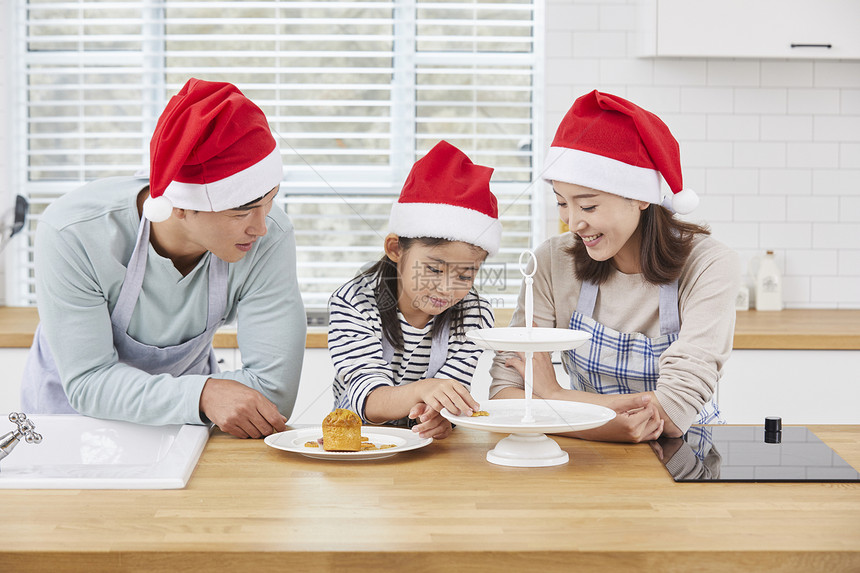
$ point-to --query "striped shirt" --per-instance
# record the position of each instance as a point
(355, 345)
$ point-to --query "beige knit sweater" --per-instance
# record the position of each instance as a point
(691, 367)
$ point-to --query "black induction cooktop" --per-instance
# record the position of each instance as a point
(749, 454)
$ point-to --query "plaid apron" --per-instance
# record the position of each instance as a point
(615, 362)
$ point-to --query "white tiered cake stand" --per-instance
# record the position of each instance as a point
(527, 420)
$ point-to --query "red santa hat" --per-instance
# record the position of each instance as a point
(212, 150)
(610, 144)
(446, 196)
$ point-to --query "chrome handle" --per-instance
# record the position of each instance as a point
(26, 427)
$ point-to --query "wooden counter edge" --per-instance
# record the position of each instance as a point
(223, 559)
(793, 329)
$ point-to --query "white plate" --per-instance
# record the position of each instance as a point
(549, 415)
(524, 339)
(402, 438)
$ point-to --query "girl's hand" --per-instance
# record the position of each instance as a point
(438, 393)
(545, 382)
(431, 423)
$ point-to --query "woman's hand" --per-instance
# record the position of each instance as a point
(431, 424)
(545, 384)
(637, 420)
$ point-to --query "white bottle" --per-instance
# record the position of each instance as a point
(768, 284)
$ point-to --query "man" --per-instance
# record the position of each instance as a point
(133, 280)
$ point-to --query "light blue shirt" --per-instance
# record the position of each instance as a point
(83, 243)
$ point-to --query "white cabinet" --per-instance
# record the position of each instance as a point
(12, 361)
(800, 386)
(821, 29)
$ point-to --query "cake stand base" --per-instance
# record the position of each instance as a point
(527, 451)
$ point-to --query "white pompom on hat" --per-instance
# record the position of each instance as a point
(610, 144)
(446, 196)
(212, 150)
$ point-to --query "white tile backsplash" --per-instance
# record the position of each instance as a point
(765, 101)
(707, 154)
(727, 127)
(849, 262)
(842, 182)
(829, 235)
(785, 181)
(733, 181)
(781, 73)
(677, 72)
(849, 207)
(761, 154)
(830, 74)
(801, 154)
(786, 128)
(707, 100)
(785, 235)
(850, 102)
(816, 209)
(734, 73)
(813, 101)
(849, 155)
(808, 262)
(837, 128)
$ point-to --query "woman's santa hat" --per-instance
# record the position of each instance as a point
(610, 144)
(212, 150)
(446, 196)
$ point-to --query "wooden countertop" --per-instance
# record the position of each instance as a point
(792, 329)
(613, 507)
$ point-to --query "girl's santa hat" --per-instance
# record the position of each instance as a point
(446, 196)
(212, 150)
(610, 144)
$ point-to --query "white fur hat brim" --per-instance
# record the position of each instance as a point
(602, 173)
(443, 221)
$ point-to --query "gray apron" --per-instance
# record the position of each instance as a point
(438, 351)
(41, 389)
(438, 355)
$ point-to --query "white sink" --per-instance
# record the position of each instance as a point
(78, 452)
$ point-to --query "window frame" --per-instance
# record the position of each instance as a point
(18, 256)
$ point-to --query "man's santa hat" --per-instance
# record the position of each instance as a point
(212, 150)
(610, 144)
(446, 196)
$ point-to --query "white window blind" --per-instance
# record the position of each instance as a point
(355, 92)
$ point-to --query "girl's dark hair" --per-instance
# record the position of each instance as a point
(385, 290)
(666, 244)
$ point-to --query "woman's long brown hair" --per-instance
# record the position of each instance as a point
(666, 244)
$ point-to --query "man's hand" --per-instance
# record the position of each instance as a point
(240, 411)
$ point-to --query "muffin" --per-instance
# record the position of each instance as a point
(342, 431)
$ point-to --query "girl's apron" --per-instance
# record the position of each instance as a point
(438, 355)
(42, 392)
(613, 362)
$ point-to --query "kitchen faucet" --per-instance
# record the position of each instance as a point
(26, 429)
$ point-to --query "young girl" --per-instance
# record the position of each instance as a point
(397, 331)
(656, 293)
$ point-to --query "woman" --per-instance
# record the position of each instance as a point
(656, 293)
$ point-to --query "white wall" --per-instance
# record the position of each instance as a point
(6, 71)
(772, 147)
